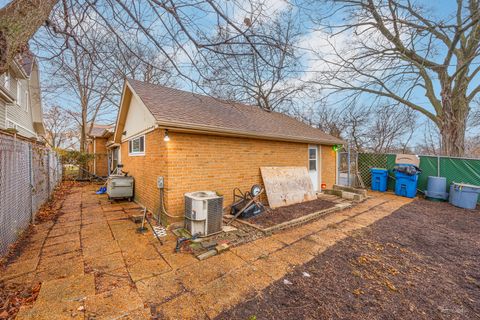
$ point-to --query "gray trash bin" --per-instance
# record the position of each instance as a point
(464, 195)
(120, 187)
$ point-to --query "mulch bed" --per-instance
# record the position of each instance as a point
(421, 262)
(273, 217)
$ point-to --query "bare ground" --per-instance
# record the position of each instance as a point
(421, 262)
(273, 217)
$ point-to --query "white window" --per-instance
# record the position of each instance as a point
(136, 146)
(19, 92)
(26, 104)
(312, 158)
(7, 81)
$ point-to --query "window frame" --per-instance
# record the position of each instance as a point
(19, 92)
(130, 146)
(312, 159)
(8, 81)
(27, 101)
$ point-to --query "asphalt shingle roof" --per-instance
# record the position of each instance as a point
(175, 106)
(98, 130)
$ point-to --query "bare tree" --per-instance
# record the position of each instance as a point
(19, 20)
(392, 128)
(473, 147)
(75, 73)
(236, 72)
(58, 127)
(87, 66)
(140, 62)
(430, 142)
(399, 50)
(172, 27)
(380, 128)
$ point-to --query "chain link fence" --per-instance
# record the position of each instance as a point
(28, 175)
(347, 168)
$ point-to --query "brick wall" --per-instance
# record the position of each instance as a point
(192, 162)
(329, 166)
(202, 162)
(146, 169)
(101, 156)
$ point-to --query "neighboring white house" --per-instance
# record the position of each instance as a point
(20, 101)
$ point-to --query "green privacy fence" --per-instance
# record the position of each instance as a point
(462, 170)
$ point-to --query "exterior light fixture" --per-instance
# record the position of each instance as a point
(166, 138)
(336, 147)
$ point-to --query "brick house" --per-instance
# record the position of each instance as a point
(99, 143)
(212, 145)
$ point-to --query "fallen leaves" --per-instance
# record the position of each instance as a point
(358, 292)
(50, 209)
(390, 285)
(13, 296)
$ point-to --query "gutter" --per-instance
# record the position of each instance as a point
(19, 69)
(206, 129)
(6, 95)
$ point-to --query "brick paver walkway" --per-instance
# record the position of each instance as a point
(93, 264)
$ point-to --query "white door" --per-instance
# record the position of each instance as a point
(313, 165)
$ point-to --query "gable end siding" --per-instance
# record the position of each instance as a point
(3, 112)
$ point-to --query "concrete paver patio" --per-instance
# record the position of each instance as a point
(94, 265)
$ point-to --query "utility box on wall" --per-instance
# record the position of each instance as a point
(160, 183)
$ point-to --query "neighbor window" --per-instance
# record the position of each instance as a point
(27, 101)
(19, 92)
(7, 81)
(136, 146)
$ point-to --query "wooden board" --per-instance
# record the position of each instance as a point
(287, 185)
(407, 159)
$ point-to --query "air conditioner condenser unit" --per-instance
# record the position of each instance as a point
(203, 212)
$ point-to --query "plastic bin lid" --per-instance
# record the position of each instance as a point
(378, 169)
(466, 185)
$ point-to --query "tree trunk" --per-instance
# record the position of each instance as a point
(452, 125)
(19, 20)
(453, 138)
(83, 139)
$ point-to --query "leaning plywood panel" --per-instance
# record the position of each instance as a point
(287, 185)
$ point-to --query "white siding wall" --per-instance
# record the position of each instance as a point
(139, 119)
(19, 112)
(2, 114)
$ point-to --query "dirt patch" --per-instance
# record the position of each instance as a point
(273, 217)
(421, 262)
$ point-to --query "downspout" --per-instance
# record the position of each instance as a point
(95, 156)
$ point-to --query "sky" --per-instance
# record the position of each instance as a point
(311, 39)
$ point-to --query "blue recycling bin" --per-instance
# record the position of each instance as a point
(406, 181)
(379, 179)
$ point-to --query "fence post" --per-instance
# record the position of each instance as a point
(30, 173)
(48, 174)
(348, 164)
(438, 165)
